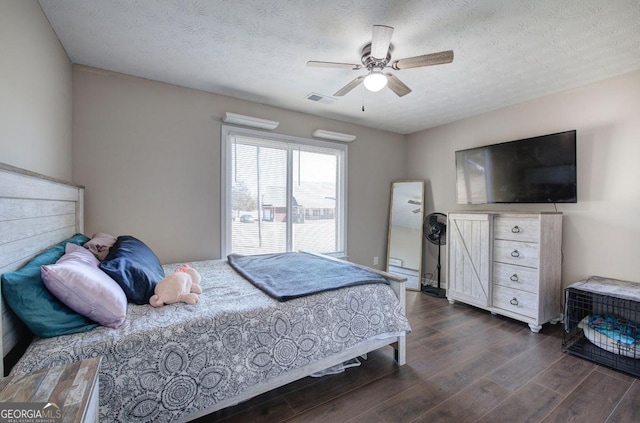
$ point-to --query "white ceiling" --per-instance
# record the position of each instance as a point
(506, 51)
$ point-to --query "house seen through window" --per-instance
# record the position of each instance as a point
(283, 193)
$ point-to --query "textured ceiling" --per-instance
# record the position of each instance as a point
(506, 51)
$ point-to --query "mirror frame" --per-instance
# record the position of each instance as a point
(420, 231)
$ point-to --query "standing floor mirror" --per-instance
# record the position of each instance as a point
(404, 249)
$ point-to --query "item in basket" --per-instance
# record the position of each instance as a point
(617, 329)
(613, 334)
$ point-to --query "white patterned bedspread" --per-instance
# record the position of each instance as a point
(164, 363)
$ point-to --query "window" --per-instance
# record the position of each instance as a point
(282, 193)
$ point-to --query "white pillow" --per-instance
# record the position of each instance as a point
(76, 280)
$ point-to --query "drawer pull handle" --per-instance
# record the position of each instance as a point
(515, 229)
(514, 278)
(515, 253)
(514, 301)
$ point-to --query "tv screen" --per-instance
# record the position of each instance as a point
(533, 170)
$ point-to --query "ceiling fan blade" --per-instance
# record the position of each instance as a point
(424, 60)
(336, 65)
(380, 41)
(351, 85)
(397, 86)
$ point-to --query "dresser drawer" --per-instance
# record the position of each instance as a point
(518, 253)
(517, 277)
(515, 301)
(516, 228)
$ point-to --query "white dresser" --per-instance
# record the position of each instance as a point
(507, 263)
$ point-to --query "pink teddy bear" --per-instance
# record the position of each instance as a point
(182, 286)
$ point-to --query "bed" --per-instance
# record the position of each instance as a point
(246, 343)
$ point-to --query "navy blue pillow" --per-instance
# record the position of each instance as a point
(134, 267)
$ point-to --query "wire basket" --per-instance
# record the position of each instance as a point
(602, 328)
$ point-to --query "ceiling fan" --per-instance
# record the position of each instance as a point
(376, 57)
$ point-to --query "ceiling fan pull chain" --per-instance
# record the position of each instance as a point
(363, 98)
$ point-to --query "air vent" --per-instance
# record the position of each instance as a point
(319, 98)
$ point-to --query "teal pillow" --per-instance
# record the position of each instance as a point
(25, 293)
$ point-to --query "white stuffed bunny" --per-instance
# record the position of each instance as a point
(182, 286)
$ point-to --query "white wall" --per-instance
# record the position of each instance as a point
(601, 233)
(35, 92)
(149, 156)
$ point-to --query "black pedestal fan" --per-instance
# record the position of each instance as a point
(435, 230)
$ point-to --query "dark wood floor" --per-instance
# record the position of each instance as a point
(464, 365)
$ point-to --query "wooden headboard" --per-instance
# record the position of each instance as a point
(36, 212)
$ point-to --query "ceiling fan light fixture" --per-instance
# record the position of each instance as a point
(376, 57)
(375, 81)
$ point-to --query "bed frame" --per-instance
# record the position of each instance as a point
(37, 212)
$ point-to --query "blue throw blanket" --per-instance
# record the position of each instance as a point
(285, 276)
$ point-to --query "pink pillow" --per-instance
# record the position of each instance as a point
(76, 280)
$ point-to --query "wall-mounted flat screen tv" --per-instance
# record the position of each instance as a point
(532, 170)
